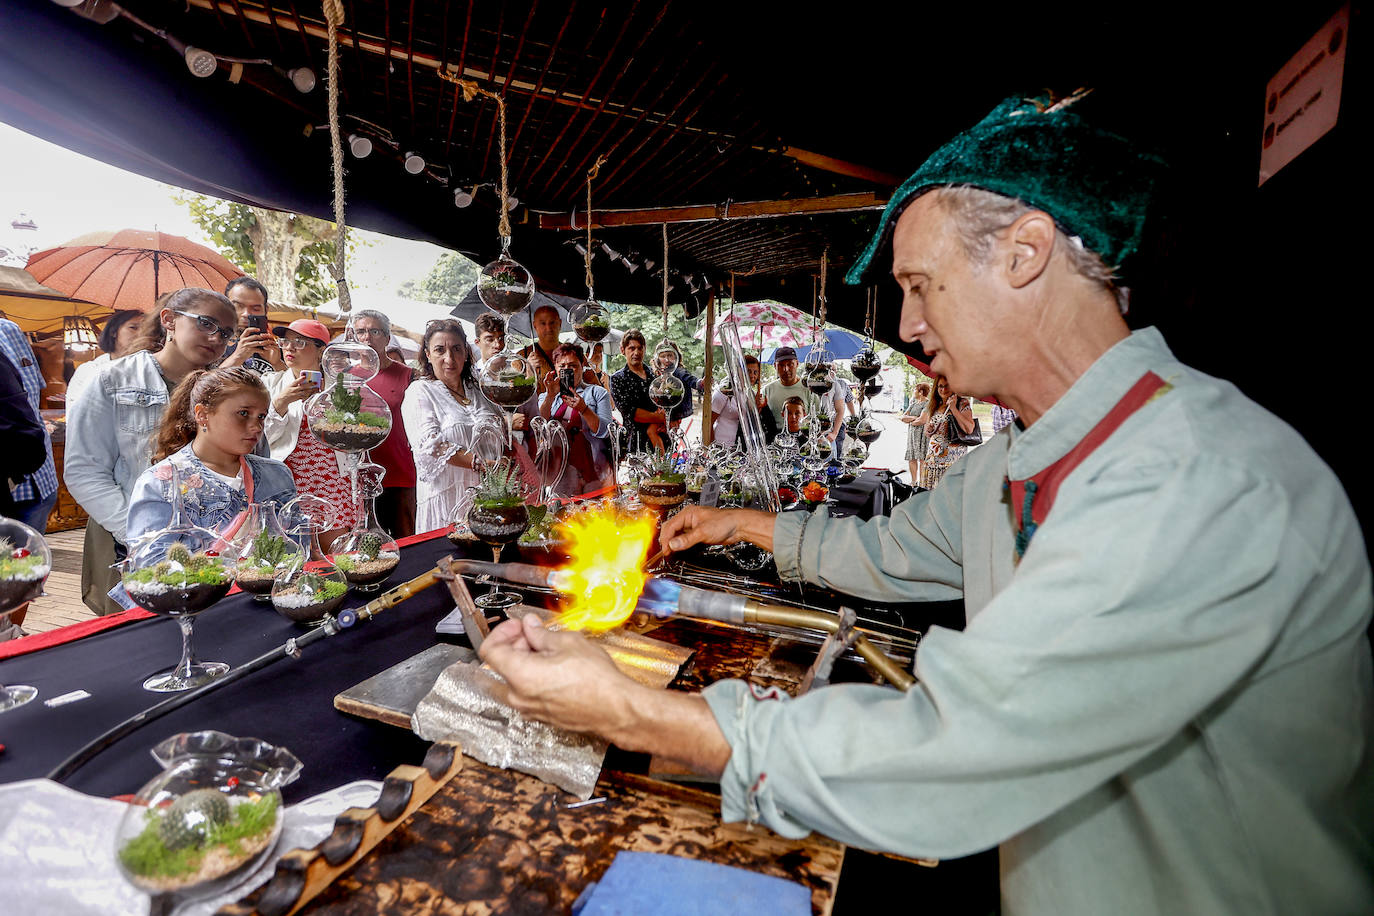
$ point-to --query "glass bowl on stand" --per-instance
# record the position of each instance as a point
(497, 517)
(25, 562)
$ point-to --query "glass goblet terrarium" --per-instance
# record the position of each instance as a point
(590, 321)
(210, 816)
(507, 380)
(505, 286)
(178, 572)
(25, 562)
(498, 516)
(865, 364)
(348, 416)
(367, 554)
(261, 551)
(664, 486)
(308, 592)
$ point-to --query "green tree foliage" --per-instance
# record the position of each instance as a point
(448, 281)
(251, 237)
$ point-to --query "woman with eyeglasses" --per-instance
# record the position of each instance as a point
(318, 469)
(111, 427)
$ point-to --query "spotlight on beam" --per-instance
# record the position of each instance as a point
(414, 163)
(359, 145)
(462, 197)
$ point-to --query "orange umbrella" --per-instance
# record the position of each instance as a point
(130, 268)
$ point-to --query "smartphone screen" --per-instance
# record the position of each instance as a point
(567, 379)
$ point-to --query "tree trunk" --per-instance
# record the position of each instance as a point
(278, 240)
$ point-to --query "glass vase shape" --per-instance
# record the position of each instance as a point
(350, 356)
(179, 571)
(666, 357)
(260, 550)
(348, 416)
(505, 286)
(817, 379)
(309, 590)
(367, 554)
(667, 391)
(498, 516)
(867, 431)
(304, 517)
(590, 321)
(25, 562)
(210, 817)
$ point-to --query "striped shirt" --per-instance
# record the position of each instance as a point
(42, 483)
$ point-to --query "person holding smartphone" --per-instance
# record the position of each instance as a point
(585, 412)
(255, 349)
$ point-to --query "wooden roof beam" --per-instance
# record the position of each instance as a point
(757, 209)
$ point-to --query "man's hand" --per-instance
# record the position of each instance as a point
(559, 678)
(518, 421)
(704, 525)
(251, 342)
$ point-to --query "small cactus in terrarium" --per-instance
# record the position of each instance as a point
(664, 484)
(179, 553)
(662, 468)
(369, 545)
(192, 817)
(500, 486)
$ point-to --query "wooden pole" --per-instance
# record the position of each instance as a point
(757, 209)
(706, 430)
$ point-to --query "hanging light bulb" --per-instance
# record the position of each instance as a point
(359, 145)
(462, 197)
(414, 163)
(512, 202)
(303, 78)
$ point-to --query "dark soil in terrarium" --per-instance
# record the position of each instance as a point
(179, 599)
(350, 438)
(818, 387)
(255, 580)
(365, 572)
(507, 302)
(869, 437)
(666, 400)
(497, 525)
(306, 613)
(863, 373)
(592, 333)
(662, 493)
(14, 592)
(506, 394)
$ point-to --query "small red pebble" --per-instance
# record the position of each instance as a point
(232, 782)
(19, 553)
(212, 553)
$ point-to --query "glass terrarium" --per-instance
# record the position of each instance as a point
(867, 431)
(348, 416)
(498, 516)
(308, 592)
(664, 486)
(873, 387)
(212, 814)
(817, 378)
(367, 554)
(816, 488)
(25, 562)
(505, 286)
(507, 379)
(261, 551)
(179, 571)
(666, 357)
(865, 364)
(543, 542)
(459, 534)
(666, 391)
(304, 517)
(590, 321)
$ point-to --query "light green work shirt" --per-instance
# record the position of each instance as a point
(1164, 707)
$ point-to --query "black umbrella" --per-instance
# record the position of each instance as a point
(471, 307)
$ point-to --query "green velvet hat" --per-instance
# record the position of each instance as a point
(1046, 153)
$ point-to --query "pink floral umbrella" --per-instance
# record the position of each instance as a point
(767, 324)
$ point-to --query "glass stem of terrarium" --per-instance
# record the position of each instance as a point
(495, 581)
(354, 462)
(183, 669)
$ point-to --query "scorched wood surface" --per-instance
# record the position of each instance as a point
(499, 842)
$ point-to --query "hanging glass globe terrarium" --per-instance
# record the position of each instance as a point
(590, 321)
(505, 286)
(816, 378)
(667, 391)
(666, 357)
(865, 364)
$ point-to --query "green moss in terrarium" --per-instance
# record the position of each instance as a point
(662, 469)
(148, 854)
(195, 569)
(358, 418)
(12, 567)
(596, 321)
(344, 562)
(499, 487)
(320, 588)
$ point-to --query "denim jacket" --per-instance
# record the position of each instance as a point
(110, 432)
(207, 500)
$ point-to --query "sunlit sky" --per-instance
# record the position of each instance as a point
(68, 195)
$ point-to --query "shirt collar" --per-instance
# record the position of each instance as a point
(1086, 402)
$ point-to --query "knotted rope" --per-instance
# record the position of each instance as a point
(334, 17)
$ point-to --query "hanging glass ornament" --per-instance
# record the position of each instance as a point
(867, 431)
(873, 387)
(505, 286)
(590, 321)
(178, 572)
(816, 378)
(25, 562)
(260, 550)
(865, 364)
(667, 391)
(666, 357)
(507, 379)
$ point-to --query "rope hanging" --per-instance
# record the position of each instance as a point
(334, 17)
(665, 278)
(591, 174)
(470, 91)
(825, 259)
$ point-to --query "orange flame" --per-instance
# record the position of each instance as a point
(607, 549)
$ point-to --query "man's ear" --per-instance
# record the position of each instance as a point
(1029, 242)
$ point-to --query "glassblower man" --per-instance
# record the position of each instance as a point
(1161, 702)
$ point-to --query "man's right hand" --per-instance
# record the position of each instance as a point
(704, 525)
(251, 342)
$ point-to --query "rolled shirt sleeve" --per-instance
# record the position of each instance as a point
(1130, 615)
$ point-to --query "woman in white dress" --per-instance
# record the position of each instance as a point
(443, 409)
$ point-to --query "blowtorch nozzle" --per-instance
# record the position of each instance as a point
(664, 598)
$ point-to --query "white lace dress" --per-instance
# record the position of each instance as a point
(439, 426)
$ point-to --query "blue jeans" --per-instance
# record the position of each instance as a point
(34, 512)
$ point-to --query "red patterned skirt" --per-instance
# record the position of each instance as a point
(317, 472)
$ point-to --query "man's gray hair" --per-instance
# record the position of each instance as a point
(376, 316)
(979, 215)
